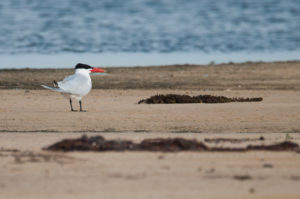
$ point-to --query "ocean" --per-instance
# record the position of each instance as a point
(59, 33)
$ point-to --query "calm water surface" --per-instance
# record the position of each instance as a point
(206, 27)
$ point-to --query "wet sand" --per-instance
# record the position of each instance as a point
(32, 118)
(244, 76)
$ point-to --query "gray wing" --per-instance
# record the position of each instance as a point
(71, 83)
(77, 84)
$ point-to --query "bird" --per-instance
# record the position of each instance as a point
(77, 85)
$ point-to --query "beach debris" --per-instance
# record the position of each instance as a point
(171, 144)
(295, 178)
(283, 146)
(267, 165)
(94, 143)
(99, 143)
(180, 99)
(232, 140)
(242, 177)
(21, 157)
(252, 190)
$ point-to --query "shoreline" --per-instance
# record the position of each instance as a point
(244, 76)
(68, 60)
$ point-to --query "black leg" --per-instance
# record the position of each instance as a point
(81, 107)
(71, 105)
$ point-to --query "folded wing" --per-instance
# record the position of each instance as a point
(55, 89)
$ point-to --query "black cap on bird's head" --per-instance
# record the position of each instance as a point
(82, 66)
(89, 68)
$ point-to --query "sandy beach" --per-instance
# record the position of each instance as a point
(33, 118)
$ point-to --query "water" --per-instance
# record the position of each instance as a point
(116, 27)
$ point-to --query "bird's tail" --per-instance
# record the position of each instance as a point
(55, 84)
(54, 89)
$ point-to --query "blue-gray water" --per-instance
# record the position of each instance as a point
(149, 26)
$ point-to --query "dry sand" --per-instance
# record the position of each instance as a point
(118, 111)
(38, 174)
(33, 119)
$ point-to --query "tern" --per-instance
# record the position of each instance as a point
(77, 85)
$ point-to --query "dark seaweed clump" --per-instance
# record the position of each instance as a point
(180, 99)
(98, 143)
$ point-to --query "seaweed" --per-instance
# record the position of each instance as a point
(99, 143)
(180, 99)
